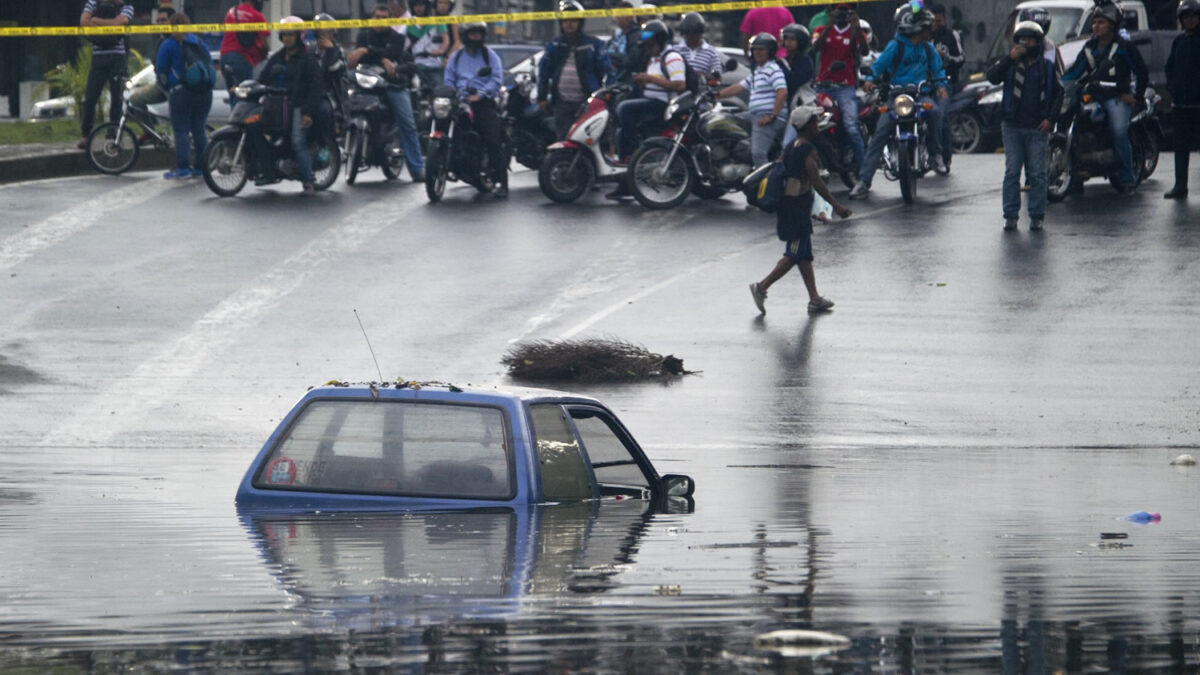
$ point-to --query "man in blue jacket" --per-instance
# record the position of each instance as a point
(463, 70)
(908, 59)
(575, 65)
(1183, 65)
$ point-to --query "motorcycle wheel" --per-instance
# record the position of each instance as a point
(324, 178)
(1149, 152)
(655, 184)
(223, 176)
(109, 153)
(354, 152)
(560, 181)
(395, 160)
(435, 172)
(906, 171)
(1059, 173)
(966, 134)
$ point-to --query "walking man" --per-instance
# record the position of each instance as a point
(794, 217)
(1032, 98)
(1183, 68)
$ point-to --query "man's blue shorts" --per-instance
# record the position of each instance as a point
(799, 250)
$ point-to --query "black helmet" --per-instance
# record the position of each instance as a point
(799, 33)
(912, 17)
(1188, 7)
(1108, 10)
(692, 22)
(470, 26)
(571, 6)
(766, 41)
(1028, 29)
(1037, 15)
(656, 30)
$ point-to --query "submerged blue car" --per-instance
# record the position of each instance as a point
(436, 446)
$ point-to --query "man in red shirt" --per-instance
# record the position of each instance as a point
(841, 45)
(769, 20)
(240, 52)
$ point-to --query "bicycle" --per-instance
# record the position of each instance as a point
(114, 148)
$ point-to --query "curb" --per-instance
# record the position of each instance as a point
(72, 163)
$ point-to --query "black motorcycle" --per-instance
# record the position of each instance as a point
(456, 149)
(906, 156)
(1081, 147)
(372, 138)
(529, 128)
(257, 144)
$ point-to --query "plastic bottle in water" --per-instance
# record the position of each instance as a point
(1143, 517)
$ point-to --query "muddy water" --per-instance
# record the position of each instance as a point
(930, 559)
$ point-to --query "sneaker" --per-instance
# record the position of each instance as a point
(939, 165)
(308, 189)
(1035, 225)
(500, 191)
(859, 191)
(82, 144)
(760, 298)
(1010, 224)
(822, 305)
(1176, 193)
(176, 174)
(418, 177)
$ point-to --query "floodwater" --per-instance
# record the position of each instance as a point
(928, 560)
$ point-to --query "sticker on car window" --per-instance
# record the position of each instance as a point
(281, 471)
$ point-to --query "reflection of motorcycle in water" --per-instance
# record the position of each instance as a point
(1082, 147)
(906, 156)
(529, 128)
(573, 164)
(456, 149)
(372, 138)
(232, 154)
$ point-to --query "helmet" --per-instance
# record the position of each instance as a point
(798, 32)
(646, 5)
(692, 22)
(1037, 15)
(467, 28)
(766, 41)
(327, 17)
(1108, 10)
(912, 17)
(290, 19)
(1188, 6)
(656, 30)
(571, 6)
(1028, 29)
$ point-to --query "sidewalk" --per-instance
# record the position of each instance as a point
(33, 161)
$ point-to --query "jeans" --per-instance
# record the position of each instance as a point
(1027, 147)
(631, 114)
(235, 69)
(883, 134)
(944, 141)
(107, 70)
(487, 123)
(1187, 130)
(1119, 113)
(300, 146)
(847, 102)
(762, 138)
(406, 127)
(564, 114)
(189, 112)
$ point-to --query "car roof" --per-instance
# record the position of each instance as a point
(443, 391)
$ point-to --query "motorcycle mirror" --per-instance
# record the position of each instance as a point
(837, 66)
(730, 65)
(485, 71)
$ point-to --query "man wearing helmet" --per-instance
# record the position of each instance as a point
(295, 69)
(840, 46)
(477, 73)
(574, 65)
(1114, 91)
(908, 59)
(700, 56)
(1032, 99)
(767, 85)
(1041, 17)
(382, 46)
(1182, 68)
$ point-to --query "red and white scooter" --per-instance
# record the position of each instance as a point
(572, 165)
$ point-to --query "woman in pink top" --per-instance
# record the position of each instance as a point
(768, 20)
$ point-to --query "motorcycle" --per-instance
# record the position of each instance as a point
(1081, 147)
(371, 138)
(230, 159)
(833, 143)
(906, 156)
(573, 164)
(529, 128)
(455, 145)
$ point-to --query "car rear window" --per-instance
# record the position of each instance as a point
(394, 447)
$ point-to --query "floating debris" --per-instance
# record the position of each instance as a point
(592, 360)
(1184, 460)
(794, 642)
(1114, 535)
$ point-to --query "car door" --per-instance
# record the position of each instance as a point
(618, 464)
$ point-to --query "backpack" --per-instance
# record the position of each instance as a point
(764, 186)
(690, 77)
(198, 73)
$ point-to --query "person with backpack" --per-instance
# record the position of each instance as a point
(574, 65)
(109, 54)
(793, 217)
(296, 70)
(767, 85)
(242, 51)
(481, 91)
(184, 69)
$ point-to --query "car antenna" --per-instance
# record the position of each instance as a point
(364, 332)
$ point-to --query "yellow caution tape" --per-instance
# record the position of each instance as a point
(419, 21)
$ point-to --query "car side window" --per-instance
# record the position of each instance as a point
(564, 472)
(608, 447)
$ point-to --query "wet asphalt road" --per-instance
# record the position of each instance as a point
(941, 451)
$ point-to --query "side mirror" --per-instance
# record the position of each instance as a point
(730, 65)
(485, 71)
(677, 485)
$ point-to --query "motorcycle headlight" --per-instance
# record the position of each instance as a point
(441, 107)
(992, 98)
(367, 80)
(904, 105)
(241, 91)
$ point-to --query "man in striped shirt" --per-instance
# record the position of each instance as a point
(108, 61)
(767, 85)
(701, 56)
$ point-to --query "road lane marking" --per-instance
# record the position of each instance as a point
(27, 243)
(129, 400)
